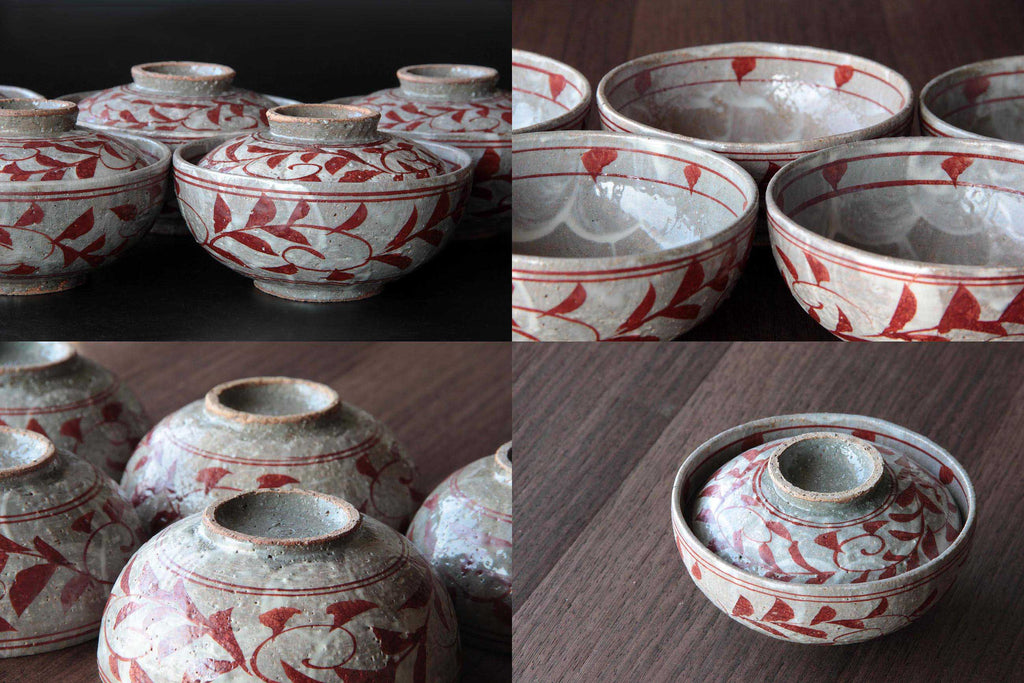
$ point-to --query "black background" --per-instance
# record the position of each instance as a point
(309, 50)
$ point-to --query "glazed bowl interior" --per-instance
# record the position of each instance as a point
(756, 93)
(276, 398)
(985, 99)
(26, 355)
(282, 515)
(590, 195)
(546, 94)
(926, 200)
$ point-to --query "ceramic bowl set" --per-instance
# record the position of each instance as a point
(277, 510)
(313, 202)
(876, 238)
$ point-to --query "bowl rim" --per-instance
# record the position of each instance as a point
(813, 421)
(746, 221)
(813, 240)
(579, 111)
(800, 146)
(22, 93)
(943, 127)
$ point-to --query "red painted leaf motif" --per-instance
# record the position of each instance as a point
(72, 429)
(780, 611)
(829, 540)
(833, 173)
(126, 212)
(286, 269)
(276, 619)
(5, 626)
(396, 260)
(905, 311)
(112, 411)
(87, 168)
(878, 611)
(403, 234)
(692, 173)
(32, 216)
(84, 523)
(137, 675)
(975, 87)
(946, 475)
(842, 75)
(296, 676)
(358, 176)
(843, 325)
(595, 160)
(963, 313)
(695, 570)
(5, 239)
(252, 241)
(273, 481)
(556, 83)
(339, 276)
(224, 635)
(49, 552)
(741, 66)
(353, 221)
(1014, 311)
(488, 166)
(78, 227)
(221, 214)
(639, 316)
(826, 613)
(575, 299)
(742, 608)
(286, 233)
(334, 164)
(691, 284)
(74, 589)
(210, 476)
(850, 623)
(788, 264)
(642, 81)
(262, 213)
(300, 211)
(34, 426)
(346, 610)
(955, 165)
(28, 583)
(818, 268)
(9, 546)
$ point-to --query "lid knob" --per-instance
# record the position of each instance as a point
(825, 469)
(450, 82)
(337, 123)
(36, 117)
(183, 78)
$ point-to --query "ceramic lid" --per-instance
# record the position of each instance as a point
(330, 143)
(39, 142)
(824, 507)
(177, 101)
(440, 100)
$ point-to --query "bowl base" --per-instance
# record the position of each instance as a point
(29, 287)
(319, 293)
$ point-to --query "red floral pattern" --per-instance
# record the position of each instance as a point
(70, 156)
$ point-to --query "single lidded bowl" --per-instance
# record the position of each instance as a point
(623, 237)
(822, 528)
(322, 206)
(906, 239)
(65, 533)
(984, 100)
(16, 93)
(49, 389)
(279, 586)
(547, 94)
(71, 199)
(458, 105)
(175, 103)
(464, 529)
(267, 433)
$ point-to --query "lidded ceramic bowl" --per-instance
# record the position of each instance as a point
(822, 528)
(268, 433)
(547, 94)
(65, 533)
(14, 92)
(279, 586)
(71, 199)
(49, 389)
(459, 105)
(623, 237)
(907, 239)
(176, 103)
(984, 100)
(322, 206)
(464, 529)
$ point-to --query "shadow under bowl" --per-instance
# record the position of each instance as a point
(547, 94)
(984, 100)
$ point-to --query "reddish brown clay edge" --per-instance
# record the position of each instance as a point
(214, 405)
(46, 457)
(214, 526)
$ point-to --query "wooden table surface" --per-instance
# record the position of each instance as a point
(600, 433)
(920, 39)
(449, 403)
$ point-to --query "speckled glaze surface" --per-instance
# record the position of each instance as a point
(279, 586)
(984, 100)
(465, 531)
(838, 578)
(175, 103)
(71, 200)
(65, 533)
(14, 92)
(459, 105)
(47, 388)
(547, 94)
(908, 239)
(321, 207)
(268, 433)
(623, 237)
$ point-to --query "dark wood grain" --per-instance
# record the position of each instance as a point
(449, 403)
(613, 601)
(919, 39)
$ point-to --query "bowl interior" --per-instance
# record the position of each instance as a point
(918, 204)
(584, 196)
(542, 90)
(752, 93)
(985, 99)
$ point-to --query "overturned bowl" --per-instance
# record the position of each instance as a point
(623, 237)
(16, 93)
(760, 104)
(983, 100)
(322, 206)
(268, 433)
(279, 586)
(547, 94)
(814, 520)
(907, 239)
(71, 199)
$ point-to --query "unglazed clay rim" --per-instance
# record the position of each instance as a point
(483, 74)
(592, 138)
(822, 244)
(59, 108)
(214, 527)
(66, 354)
(335, 117)
(975, 70)
(571, 75)
(736, 434)
(503, 457)
(48, 455)
(787, 487)
(769, 148)
(225, 74)
(213, 405)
